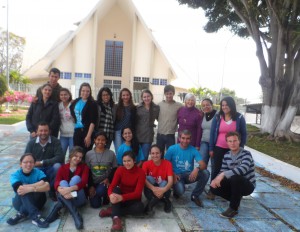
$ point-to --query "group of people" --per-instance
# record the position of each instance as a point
(92, 172)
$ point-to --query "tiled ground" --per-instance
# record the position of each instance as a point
(271, 207)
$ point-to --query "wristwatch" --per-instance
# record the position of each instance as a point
(42, 161)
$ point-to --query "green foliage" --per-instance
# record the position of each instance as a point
(3, 85)
(202, 93)
(9, 120)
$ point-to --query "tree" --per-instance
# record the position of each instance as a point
(203, 93)
(274, 25)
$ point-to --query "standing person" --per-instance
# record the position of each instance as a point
(146, 113)
(237, 176)
(159, 180)
(85, 112)
(54, 76)
(228, 119)
(43, 110)
(66, 119)
(209, 113)
(130, 144)
(167, 119)
(106, 103)
(102, 163)
(190, 118)
(182, 157)
(125, 112)
(70, 183)
(48, 154)
(29, 185)
(125, 191)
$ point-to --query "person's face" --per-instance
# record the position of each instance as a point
(233, 143)
(85, 92)
(127, 135)
(100, 141)
(206, 107)
(43, 132)
(47, 91)
(76, 159)
(27, 164)
(190, 102)
(225, 107)
(105, 97)
(184, 140)
(64, 96)
(128, 162)
(155, 154)
(169, 96)
(125, 96)
(146, 98)
(53, 79)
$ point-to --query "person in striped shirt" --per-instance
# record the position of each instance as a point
(237, 176)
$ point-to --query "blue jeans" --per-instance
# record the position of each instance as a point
(50, 172)
(100, 197)
(30, 203)
(146, 149)
(202, 178)
(204, 151)
(165, 141)
(80, 200)
(118, 140)
(65, 143)
(148, 192)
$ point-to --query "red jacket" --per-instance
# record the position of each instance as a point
(63, 173)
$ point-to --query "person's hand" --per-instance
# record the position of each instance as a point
(87, 141)
(106, 182)
(176, 178)
(92, 192)
(115, 198)
(68, 196)
(198, 148)
(63, 190)
(22, 190)
(193, 175)
(33, 134)
(38, 164)
(211, 154)
(158, 192)
(216, 183)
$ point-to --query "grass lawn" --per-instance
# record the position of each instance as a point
(288, 152)
(14, 116)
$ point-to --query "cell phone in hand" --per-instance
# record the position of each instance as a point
(74, 194)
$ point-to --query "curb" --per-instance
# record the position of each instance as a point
(6, 130)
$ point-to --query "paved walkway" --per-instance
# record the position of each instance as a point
(271, 207)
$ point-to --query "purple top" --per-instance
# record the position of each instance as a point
(190, 119)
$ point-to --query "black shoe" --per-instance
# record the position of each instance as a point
(229, 213)
(168, 205)
(16, 219)
(151, 204)
(197, 201)
(54, 213)
(175, 195)
(40, 222)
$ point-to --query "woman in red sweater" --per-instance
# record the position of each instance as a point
(125, 191)
(70, 183)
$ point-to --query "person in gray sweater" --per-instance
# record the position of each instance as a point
(237, 176)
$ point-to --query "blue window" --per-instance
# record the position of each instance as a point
(87, 75)
(113, 58)
(112, 84)
(155, 81)
(163, 82)
(66, 75)
(78, 75)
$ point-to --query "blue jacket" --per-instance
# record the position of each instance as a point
(214, 131)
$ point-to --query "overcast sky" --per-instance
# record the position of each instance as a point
(200, 58)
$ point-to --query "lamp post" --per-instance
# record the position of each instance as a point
(7, 53)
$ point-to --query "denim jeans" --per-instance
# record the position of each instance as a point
(65, 143)
(50, 172)
(146, 149)
(118, 140)
(148, 192)
(30, 203)
(204, 151)
(165, 141)
(101, 195)
(80, 200)
(202, 178)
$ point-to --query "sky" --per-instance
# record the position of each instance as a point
(199, 58)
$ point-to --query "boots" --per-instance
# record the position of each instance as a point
(73, 211)
(149, 208)
(54, 213)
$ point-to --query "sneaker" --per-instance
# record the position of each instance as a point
(40, 222)
(229, 213)
(117, 224)
(197, 201)
(105, 212)
(168, 205)
(210, 195)
(16, 219)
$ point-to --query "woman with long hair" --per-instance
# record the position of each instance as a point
(146, 114)
(106, 103)
(125, 112)
(85, 113)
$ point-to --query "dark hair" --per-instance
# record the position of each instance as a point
(134, 143)
(120, 106)
(43, 123)
(156, 146)
(44, 85)
(130, 154)
(54, 70)
(169, 88)
(233, 133)
(99, 97)
(231, 104)
(76, 149)
(209, 100)
(185, 132)
(25, 155)
(68, 91)
(85, 84)
(100, 133)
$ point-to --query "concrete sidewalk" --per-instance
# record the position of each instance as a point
(271, 207)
